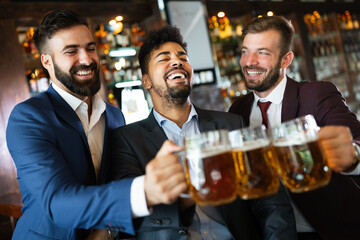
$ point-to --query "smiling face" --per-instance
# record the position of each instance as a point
(169, 76)
(72, 61)
(261, 62)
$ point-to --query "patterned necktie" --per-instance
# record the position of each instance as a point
(264, 107)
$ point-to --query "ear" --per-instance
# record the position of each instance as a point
(287, 59)
(46, 61)
(145, 79)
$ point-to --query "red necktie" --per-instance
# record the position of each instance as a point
(264, 107)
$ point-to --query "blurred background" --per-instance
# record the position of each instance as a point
(326, 47)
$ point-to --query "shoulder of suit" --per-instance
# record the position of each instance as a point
(134, 127)
(41, 102)
(219, 114)
(316, 86)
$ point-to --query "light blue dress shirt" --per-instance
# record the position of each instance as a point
(203, 227)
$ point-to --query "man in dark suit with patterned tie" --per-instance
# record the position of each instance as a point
(331, 212)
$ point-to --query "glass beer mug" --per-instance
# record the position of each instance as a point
(209, 168)
(302, 162)
(255, 163)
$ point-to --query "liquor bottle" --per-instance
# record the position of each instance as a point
(101, 37)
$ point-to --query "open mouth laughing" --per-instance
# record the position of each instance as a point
(251, 72)
(177, 75)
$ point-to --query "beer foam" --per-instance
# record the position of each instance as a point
(298, 140)
(207, 152)
(251, 145)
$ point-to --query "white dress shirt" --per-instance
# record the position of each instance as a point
(95, 130)
(274, 117)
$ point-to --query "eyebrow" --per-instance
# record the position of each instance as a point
(179, 53)
(77, 46)
(258, 49)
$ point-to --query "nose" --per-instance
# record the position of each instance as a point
(249, 59)
(85, 58)
(176, 62)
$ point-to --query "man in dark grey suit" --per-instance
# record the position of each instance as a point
(331, 212)
(167, 75)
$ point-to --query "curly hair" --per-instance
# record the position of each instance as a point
(52, 23)
(154, 40)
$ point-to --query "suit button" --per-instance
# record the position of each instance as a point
(156, 221)
(166, 221)
(182, 232)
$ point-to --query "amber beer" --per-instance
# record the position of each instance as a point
(257, 175)
(210, 169)
(216, 184)
(302, 162)
(303, 166)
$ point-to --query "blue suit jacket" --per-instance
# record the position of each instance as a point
(56, 175)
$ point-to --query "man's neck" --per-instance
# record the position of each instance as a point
(266, 93)
(177, 114)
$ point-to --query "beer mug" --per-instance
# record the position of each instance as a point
(255, 163)
(302, 163)
(209, 168)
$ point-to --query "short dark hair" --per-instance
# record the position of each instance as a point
(53, 22)
(154, 40)
(277, 23)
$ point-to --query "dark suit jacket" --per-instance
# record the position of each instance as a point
(136, 144)
(56, 175)
(333, 210)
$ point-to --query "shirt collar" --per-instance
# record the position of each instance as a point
(277, 94)
(161, 119)
(75, 102)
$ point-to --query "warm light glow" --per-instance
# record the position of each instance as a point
(111, 95)
(270, 13)
(122, 52)
(221, 14)
(112, 22)
(119, 18)
(128, 84)
(122, 62)
(118, 28)
(118, 66)
(260, 16)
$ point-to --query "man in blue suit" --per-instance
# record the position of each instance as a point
(58, 141)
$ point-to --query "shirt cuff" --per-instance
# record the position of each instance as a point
(356, 171)
(137, 198)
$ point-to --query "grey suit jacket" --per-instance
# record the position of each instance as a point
(333, 210)
(136, 144)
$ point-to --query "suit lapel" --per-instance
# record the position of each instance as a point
(290, 101)
(205, 120)
(64, 111)
(154, 133)
(246, 108)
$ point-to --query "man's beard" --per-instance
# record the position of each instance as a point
(82, 88)
(176, 95)
(269, 81)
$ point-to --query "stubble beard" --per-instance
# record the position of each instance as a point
(83, 88)
(176, 96)
(269, 81)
